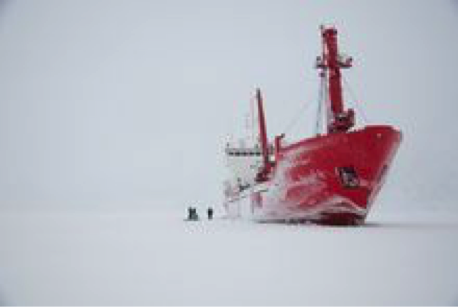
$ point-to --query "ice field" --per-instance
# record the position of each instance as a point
(157, 258)
(114, 117)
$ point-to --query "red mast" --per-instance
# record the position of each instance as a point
(330, 64)
(263, 174)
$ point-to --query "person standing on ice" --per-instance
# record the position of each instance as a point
(210, 213)
(192, 214)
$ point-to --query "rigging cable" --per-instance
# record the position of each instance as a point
(355, 101)
(294, 121)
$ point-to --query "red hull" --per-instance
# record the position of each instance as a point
(330, 179)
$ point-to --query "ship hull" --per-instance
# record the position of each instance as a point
(332, 179)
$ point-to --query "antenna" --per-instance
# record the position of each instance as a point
(330, 63)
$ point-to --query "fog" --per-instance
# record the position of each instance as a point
(126, 105)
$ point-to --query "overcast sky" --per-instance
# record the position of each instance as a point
(120, 105)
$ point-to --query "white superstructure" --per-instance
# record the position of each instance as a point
(244, 161)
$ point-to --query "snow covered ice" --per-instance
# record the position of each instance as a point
(157, 258)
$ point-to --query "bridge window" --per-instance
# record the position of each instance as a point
(348, 176)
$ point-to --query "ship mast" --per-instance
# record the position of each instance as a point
(266, 168)
(330, 64)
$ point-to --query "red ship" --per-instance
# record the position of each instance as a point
(331, 178)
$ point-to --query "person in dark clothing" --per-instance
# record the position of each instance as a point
(210, 214)
(190, 214)
(196, 216)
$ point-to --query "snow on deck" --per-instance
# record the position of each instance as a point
(157, 258)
